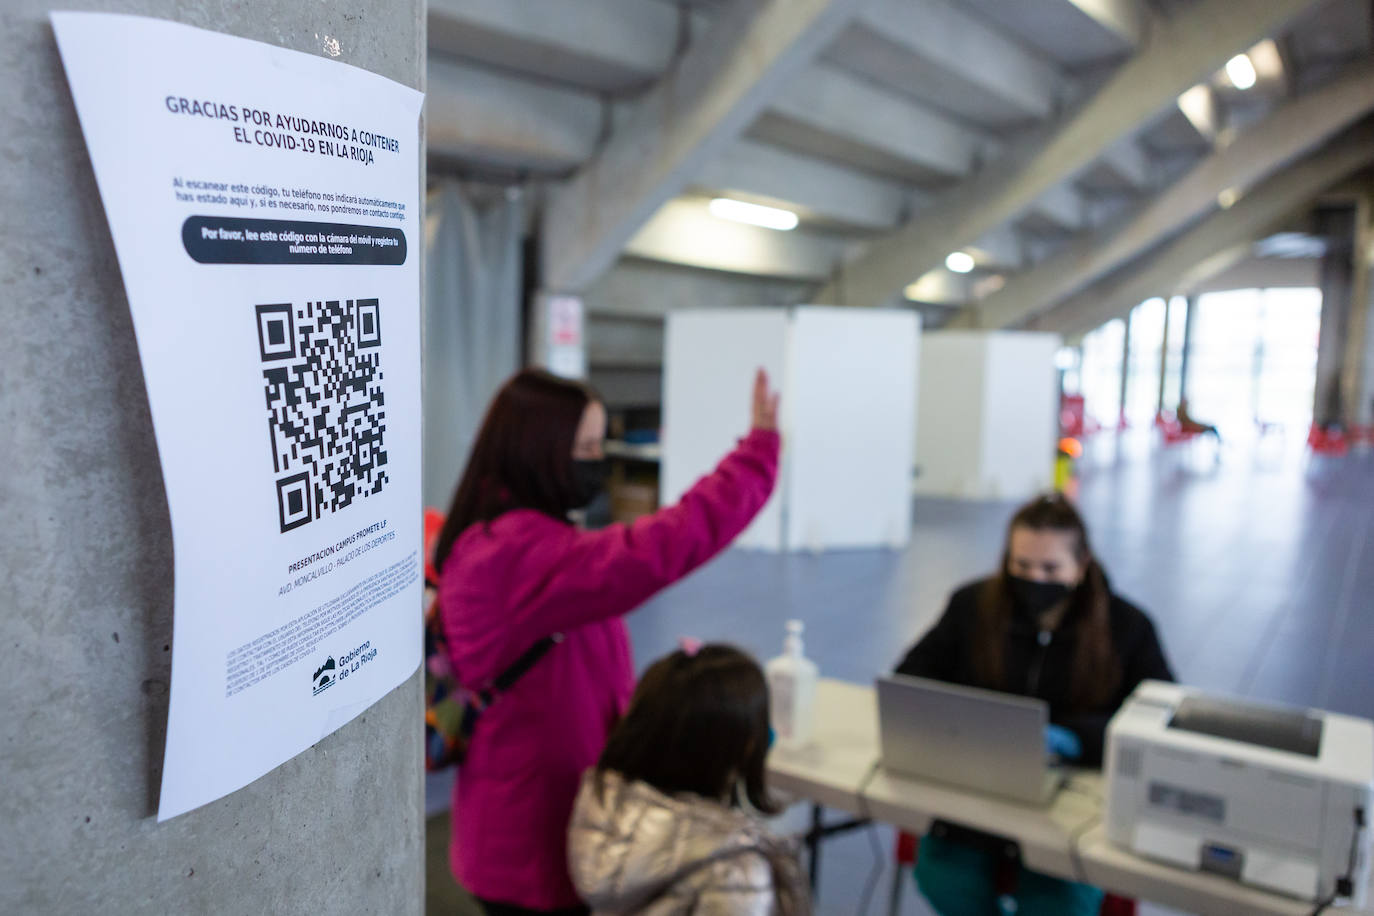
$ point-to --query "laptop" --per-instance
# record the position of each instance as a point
(976, 739)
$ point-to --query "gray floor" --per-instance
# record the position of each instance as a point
(1257, 569)
(1259, 577)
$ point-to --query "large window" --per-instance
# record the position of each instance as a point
(1289, 326)
(1173, 361)
(1222, 361)
(1253, 358)
(1103, 351)
(1142, 371)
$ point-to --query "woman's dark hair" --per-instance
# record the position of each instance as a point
(522, 458)
(1097, 673)
(697, 724)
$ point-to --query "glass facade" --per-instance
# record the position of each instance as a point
(1103, 356)
(1251, 360)
(1143, 366)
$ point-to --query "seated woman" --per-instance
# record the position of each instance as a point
(667, 824)
(1046, 625)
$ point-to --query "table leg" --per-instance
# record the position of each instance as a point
(813, 842)
(894, 904)
(819, 831)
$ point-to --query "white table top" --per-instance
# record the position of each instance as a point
(831, 771)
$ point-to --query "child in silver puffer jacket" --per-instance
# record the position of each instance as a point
(669, 821)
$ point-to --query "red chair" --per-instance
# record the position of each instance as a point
(1074, 420)
(1072, 417)
(1331, 443)
(1171, 431)
(908, 846)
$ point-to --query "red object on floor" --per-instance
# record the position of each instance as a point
(1331, 443)
(1171, 431)
(1072, 416)
(1113, 905)
(906, 848)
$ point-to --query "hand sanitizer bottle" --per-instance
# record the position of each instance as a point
(792, 690)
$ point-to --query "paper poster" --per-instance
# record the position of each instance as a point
(567, 352)
(264, 206)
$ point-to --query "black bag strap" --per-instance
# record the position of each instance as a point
(506, 679)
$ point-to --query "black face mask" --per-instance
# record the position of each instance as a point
(589, 479)
(1037, 597)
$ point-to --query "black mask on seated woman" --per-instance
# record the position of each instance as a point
(589, 479)
(1037, 597)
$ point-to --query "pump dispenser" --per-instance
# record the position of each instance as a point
(792, 690)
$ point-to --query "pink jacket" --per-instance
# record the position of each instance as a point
(508, 585)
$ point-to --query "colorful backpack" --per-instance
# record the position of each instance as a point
(451, 711)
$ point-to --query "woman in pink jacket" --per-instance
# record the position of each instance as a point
(514, 571)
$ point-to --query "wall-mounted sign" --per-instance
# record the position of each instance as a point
(264, 206)
(562, 344)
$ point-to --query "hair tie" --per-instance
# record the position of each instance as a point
(689, 645)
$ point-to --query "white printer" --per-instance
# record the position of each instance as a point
(1273, 797)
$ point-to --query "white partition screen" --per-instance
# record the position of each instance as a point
(852, 392)
(708, 368)
(848, 381)
(988, 414)
(1022, 415)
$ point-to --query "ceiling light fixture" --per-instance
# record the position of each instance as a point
(961, 262)
(754, 214)
(1240, 70)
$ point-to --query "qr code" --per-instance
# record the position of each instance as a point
(325, 405)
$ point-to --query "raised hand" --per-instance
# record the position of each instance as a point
(765, 412)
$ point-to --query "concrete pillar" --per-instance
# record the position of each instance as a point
(1357, 377)
(86, 552)
(1125, 365)
(1164, 356)
(1189, 323)
(1364, 403)
(1336, 224)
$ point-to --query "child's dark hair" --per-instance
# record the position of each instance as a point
(697, 724)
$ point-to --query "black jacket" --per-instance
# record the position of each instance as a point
(1041, 670)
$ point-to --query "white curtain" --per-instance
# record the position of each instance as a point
(471, 320)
